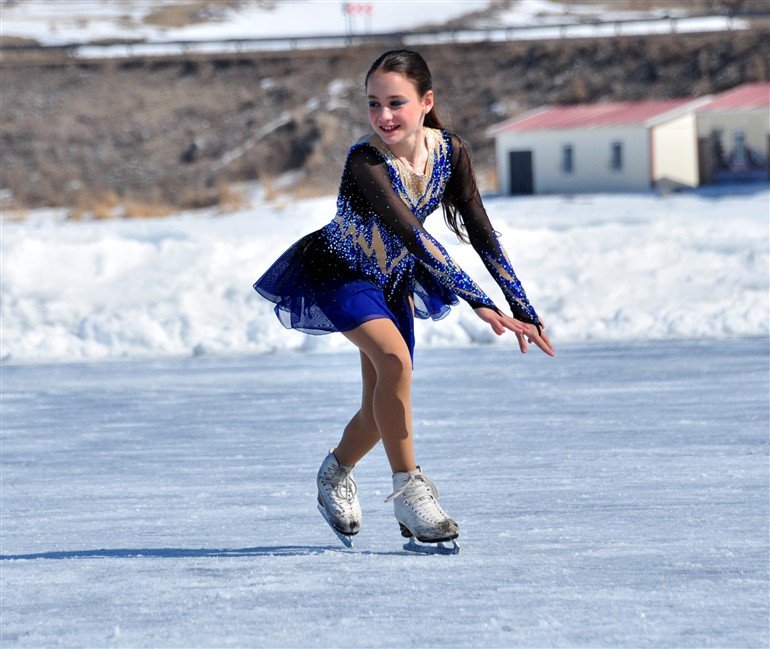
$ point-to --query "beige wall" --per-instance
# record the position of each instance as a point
(591, 159)
(675, 153)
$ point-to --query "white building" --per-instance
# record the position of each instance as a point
(628, 146)
(734, 135)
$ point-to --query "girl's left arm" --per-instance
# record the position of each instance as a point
(464, 194)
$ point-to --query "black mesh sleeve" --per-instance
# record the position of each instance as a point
(462, 190)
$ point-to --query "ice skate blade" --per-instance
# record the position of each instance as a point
(432, 548)
(347, 541)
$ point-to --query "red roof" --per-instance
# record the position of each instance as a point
(586, 115)
(749, 96)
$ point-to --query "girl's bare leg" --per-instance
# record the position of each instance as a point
(387, 397)
(361, 434)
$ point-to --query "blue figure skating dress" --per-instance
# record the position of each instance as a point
(376, 260)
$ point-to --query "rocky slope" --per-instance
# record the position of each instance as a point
(180, 131)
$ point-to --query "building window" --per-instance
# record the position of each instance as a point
(616, 159)
(739, 149)
(566, 159)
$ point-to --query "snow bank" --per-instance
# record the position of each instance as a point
(597, 267)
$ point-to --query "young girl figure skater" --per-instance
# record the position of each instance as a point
(374, 267)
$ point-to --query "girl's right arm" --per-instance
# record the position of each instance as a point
(465, 196)
(370, 173)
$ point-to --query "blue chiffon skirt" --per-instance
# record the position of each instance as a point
(316, 292)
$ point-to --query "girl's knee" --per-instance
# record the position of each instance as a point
(394, 365)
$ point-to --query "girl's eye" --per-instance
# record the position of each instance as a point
(393, 104)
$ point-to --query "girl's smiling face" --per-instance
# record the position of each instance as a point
(396, 111)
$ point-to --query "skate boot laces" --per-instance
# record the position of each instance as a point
(342, 483)
(418, 488)
(338, 496)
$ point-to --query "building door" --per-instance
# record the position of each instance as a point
(706, 160)
(520, 165)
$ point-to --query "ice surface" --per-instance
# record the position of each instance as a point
(615, 496)
(596, 267)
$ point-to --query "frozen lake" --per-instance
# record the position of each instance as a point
(615, 496)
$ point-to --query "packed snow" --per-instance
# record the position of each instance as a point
(596, 267)
(614, 496)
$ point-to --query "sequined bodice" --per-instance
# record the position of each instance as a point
(357, 234)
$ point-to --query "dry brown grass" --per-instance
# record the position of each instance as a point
(14, 214)
(103, 208)
(304, 190)
(268, 187)
(188, 13)
(231, 199)
(193, 198)
(7, 41)
(178, 15)
(107, 205)
(98, 206)
(134, 209)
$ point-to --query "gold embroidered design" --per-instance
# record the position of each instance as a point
(502, 271)
(444, 268)
(377, 248)
(416, 190)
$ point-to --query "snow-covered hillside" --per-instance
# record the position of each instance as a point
(67, 21)
(53, 22)
(597, 267)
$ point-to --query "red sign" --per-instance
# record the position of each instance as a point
(360, 8)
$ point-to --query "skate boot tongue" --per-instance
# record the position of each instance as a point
(413, 484)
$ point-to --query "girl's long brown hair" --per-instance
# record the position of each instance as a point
(412, 66)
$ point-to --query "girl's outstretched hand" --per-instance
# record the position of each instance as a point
(525, 333)
(538, 338)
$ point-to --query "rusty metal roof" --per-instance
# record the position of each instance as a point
(589, 115)
(749, 96)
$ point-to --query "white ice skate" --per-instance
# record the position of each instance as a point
(338, 499)
(419, 514)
